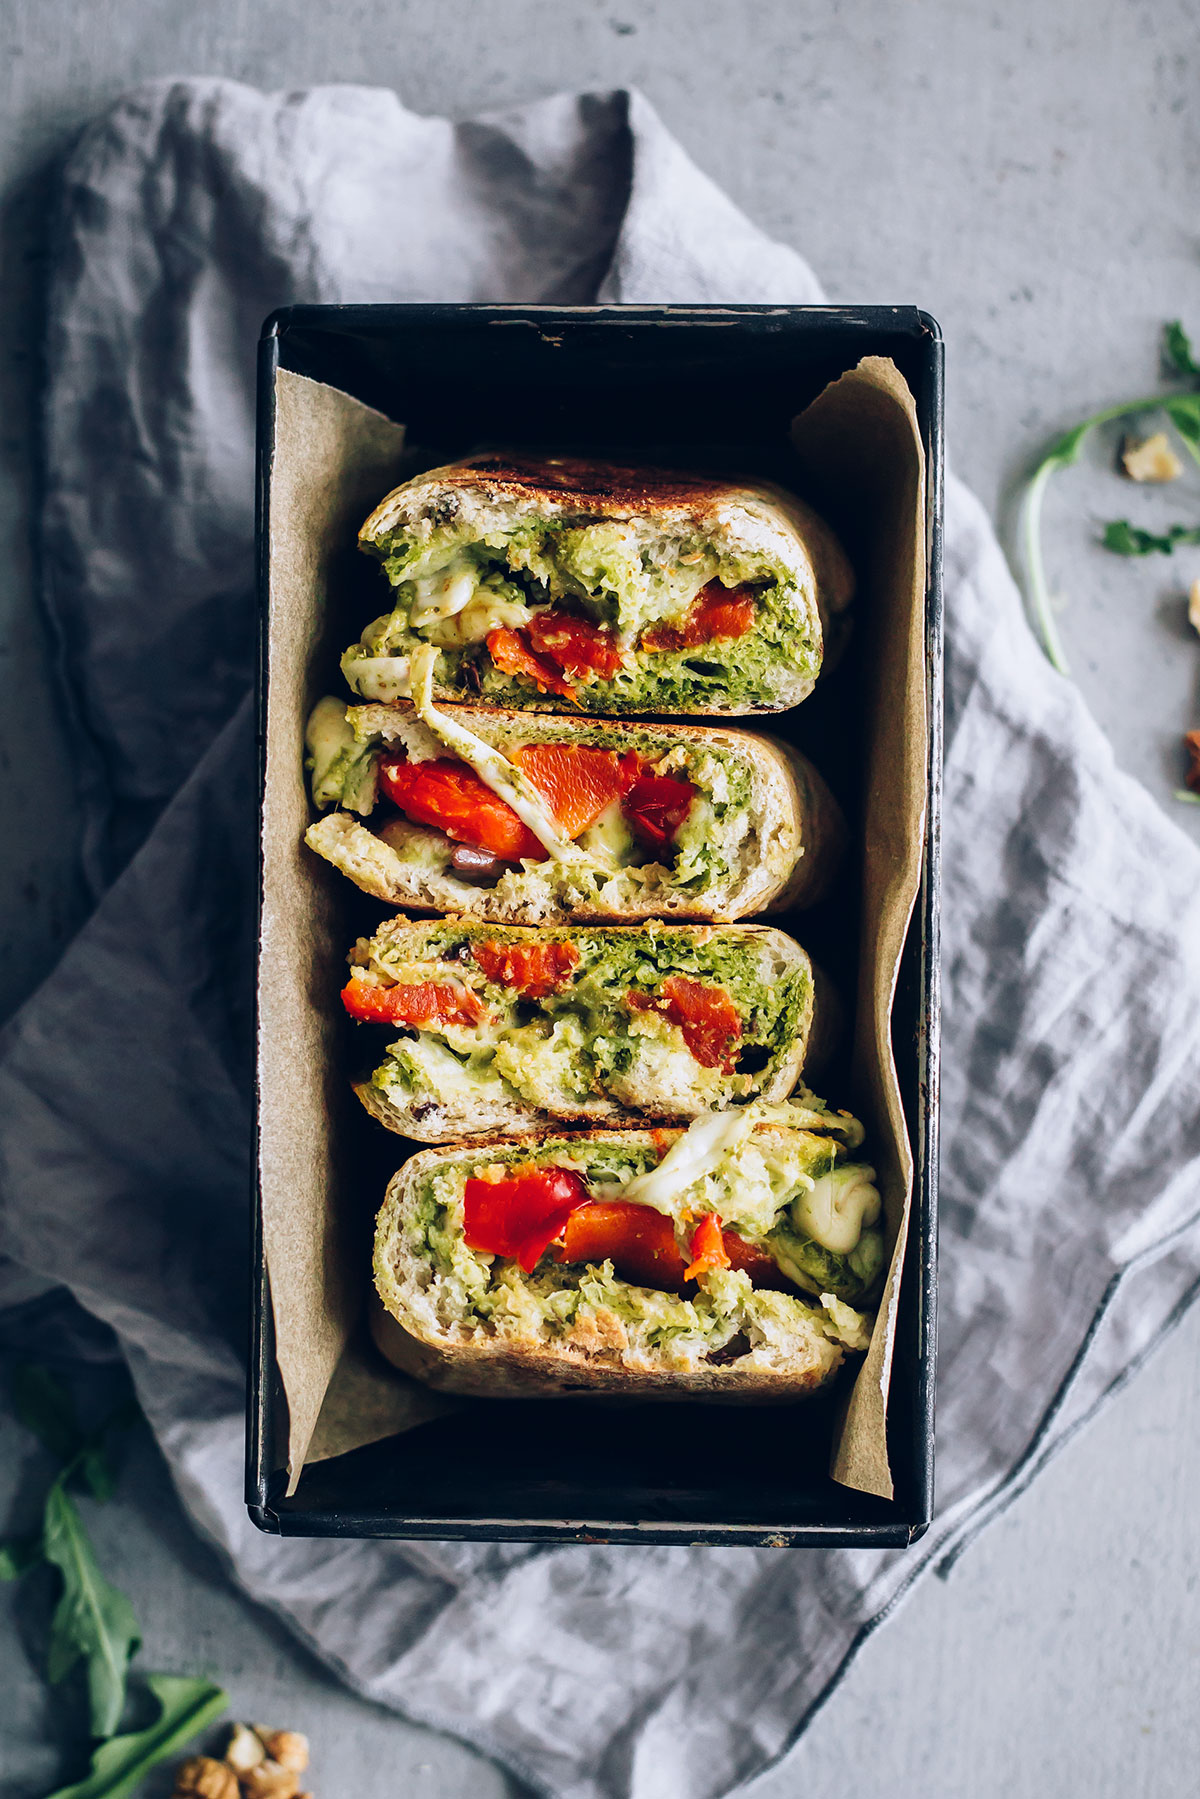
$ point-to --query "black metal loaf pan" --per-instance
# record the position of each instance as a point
(717, 386)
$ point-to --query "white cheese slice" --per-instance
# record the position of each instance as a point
(328, 735)
(697, 1153)
(503, 777)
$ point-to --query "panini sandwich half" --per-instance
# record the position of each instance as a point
(558, 584)
(736, 1259)
(532, 820)
(475, 1028)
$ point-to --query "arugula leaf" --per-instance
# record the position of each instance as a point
(92, 1619)
(96, 1471)
(1061, 454)
(1183, 410)
(1177, 348)
(1129, 540)
(45, 1407)
(19, 1554)
(1186, 794)
(119, 1765)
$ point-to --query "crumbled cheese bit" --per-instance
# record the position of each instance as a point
(1150, 459)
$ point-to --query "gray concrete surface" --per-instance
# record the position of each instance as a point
(1027, 173)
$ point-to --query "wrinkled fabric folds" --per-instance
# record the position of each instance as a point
(1071, 935)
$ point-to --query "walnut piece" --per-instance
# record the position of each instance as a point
(1150, 459)
(1194, 605)
(245, 1749)
(287, 1747)
(205, 1779)
(269, 1781)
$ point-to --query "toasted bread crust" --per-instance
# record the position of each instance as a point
(607, 489)
(526, 1370)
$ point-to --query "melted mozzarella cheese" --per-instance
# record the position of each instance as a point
(837, 1207)
(485, 613)
(380, 679)
(503, 777)
(444, 594)
(697, 1153)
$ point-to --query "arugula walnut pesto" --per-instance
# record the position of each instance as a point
(544, 583)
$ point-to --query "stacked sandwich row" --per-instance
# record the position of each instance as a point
(630, 1189)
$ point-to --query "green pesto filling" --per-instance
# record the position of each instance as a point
(619, 580)
(477, 1286)
(584, 1041)
(344, 769)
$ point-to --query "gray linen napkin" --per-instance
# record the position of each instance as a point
(1071, 1180)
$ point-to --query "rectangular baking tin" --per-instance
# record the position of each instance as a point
(558, 1470)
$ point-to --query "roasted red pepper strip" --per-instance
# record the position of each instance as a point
(707, 1017)
(576, 645)
(763, 1269)
(708, 1249)
(450, 796)
(716, 612)
(656, 806)
(640, 1244)
(637, 1240)
(418, 1003)
(520, 1215)
(534, 969)
(577, 782)
(513, 656)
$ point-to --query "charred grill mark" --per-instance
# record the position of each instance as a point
(594, 485)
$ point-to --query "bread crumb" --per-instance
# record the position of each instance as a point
(259, 1764)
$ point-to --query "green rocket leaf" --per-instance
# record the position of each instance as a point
(1183, 411)
(1128, 540)
(18, 1555)
(46, 1408)
(92, 1620)
(1177, 347)
(121, 1764)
